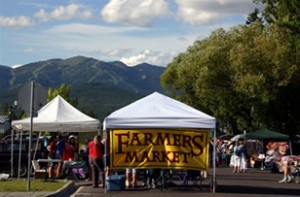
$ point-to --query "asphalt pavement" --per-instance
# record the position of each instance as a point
(252, 183)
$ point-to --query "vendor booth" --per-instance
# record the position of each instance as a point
(159, 132)
(272, 146)
(59, 116)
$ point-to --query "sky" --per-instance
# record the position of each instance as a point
(131, 31)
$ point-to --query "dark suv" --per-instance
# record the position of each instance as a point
(5, 154)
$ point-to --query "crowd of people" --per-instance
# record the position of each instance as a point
(274, 156)
(65, 149)
(229, 153)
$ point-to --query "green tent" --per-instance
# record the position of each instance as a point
(266, 134)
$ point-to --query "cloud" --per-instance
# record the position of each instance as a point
(148, 56)
(64, 13)
(60, 13)
(118, 52)
(16, 22)
(29, 50)
(134, 12)
(204, 12)
(108, 43)
(89, 29)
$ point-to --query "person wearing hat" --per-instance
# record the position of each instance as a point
(70, 149)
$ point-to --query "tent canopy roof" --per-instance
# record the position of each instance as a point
(266, 134)
(59, 115)
(158, 111)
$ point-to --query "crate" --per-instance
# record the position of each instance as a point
(40, 175)
(115, 182)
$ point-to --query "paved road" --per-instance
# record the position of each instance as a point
(252, 183)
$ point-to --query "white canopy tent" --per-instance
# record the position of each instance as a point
(237, 137)
(159, 111)
(59, 115)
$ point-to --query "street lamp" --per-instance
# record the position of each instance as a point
(15, 111)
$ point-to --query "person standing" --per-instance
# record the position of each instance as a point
(235, 158)
(70, 149)
(130, 176)
(106, 143)
(52, 148)
(242, 155)
(60, 146)
(59, 153)
(96, 161)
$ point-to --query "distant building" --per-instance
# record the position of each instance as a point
(4, 124)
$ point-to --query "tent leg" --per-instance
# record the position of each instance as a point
(214, 163)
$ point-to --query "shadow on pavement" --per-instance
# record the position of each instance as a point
(257, 190)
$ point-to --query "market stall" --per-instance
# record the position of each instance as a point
(159, 132)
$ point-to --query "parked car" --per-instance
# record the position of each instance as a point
(17, 136)
(5, 154)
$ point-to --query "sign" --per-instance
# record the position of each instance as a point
(159, 148)
(39, 98)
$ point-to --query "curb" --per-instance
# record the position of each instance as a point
(66, 190)
(78, 191)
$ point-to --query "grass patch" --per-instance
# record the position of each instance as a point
(36, 185)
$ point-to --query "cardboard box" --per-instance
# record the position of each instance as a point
(115, 182)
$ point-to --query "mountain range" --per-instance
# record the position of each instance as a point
(100, 87)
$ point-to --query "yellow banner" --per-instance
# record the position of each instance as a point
(159, 148)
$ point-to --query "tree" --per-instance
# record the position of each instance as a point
(253, 17)
(244, 77)
(286, 14)
(201, 77)
(63, 91)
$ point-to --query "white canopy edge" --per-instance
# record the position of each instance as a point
(158, 111)
(59, 115)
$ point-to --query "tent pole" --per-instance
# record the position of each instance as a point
(214, 162)
(262, 161)
(12, 154)
(37, 145)
(105, 157)
(291, 150)
(30, 135)
(20, 153)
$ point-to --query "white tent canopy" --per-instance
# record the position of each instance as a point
(158, 111)
(237, 137)
(59, 115)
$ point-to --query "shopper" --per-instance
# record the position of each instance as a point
(96, 161)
